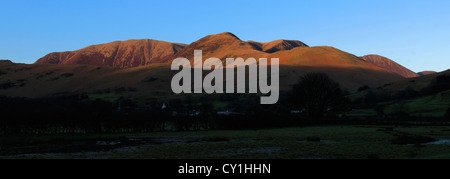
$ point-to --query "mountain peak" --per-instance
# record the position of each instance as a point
(390, 65)
(277, 45)
(224, 35)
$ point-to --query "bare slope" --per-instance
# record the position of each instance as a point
(390, 65)
(130, 53)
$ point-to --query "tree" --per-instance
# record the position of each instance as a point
(316, 93)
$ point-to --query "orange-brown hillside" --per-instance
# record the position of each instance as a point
(130, 53)
(93, 68)
(277, 45)
(347, 69)
(228, 45)
(321, 56)
(224, 45)
(296, 59)
(390, 65)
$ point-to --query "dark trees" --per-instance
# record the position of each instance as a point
(316, 93)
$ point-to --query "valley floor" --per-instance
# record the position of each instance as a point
(320, 142)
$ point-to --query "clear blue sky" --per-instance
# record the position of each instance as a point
(415, 33)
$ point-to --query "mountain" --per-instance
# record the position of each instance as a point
(423, 73)
(93, 70)
(296, 59)
(223, 45)
(321, 56)
(390, 65)
(122, 54)
(227, 45)
(345, 68)
(277, 45)
(5, 61)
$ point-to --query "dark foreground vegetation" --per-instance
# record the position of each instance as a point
(78, 114)
(316, 99)
(310, 122)
(312, 142)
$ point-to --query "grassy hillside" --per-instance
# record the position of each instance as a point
(425, 96)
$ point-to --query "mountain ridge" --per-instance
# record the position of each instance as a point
(122, 54)
(423, 73)
(390, 65)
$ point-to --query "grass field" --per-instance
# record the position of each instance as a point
(430, 106)
(435, 105)
(336, 142)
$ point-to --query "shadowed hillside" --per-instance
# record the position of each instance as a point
(424, 96)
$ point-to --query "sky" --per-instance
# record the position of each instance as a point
(414, 33)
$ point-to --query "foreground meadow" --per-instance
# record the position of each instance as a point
(320, 142)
